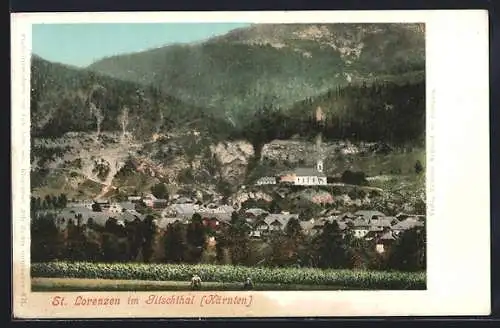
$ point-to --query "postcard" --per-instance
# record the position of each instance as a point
(250, 164)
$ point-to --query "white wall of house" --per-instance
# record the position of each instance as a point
(262, 227)
(380, 248)
(115, 208)
(266, 181)
(274, 227)
(310, 180)
(360, 232)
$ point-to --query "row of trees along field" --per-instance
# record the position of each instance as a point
(141, 241)
(48, 202)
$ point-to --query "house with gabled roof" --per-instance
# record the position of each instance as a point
(215, 220)
(318, 226)
(103, 203)
(346, 215)
(126, 216)
(367, 214)
(164, 222)
(160, 203)
(361, 227)
(406, 224)
(181, 210)
(222, 211)
(308, 227)
(330, 218)
(278, 221)
(382, 222)
(134, 198)
(184, 200)
(127, 205)
(277, 225)
(333, 212)
(255, 212)
(261, 225)
(149, 200)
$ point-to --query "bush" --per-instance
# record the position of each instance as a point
(160, 191)
(355, 178)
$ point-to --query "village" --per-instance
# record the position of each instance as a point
(261, 223)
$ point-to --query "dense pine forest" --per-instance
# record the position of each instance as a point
(61, 96)
(394, 113)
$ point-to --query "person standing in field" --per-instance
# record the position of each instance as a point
(248, 284)
(195, 282)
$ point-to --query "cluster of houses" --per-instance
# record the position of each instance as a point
(369, 225)
(84, 212)
(178, 209)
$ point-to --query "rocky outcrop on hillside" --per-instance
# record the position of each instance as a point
(293, 151)
(242, 196)
(110, 162)
(306, 152)
(79, 157)
(233, 159)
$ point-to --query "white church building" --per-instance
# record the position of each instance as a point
(305, 176)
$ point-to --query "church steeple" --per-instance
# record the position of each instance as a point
(320, 118)
(319, 166)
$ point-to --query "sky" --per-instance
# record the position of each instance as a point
(82, 44)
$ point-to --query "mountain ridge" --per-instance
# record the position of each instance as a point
(242, 70)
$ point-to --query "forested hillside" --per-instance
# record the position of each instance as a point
(62, 98)
(274, 64)
(389, 112)
(392, 112)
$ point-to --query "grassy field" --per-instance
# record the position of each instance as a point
(228, 276)
(75, 284)
(373, 165)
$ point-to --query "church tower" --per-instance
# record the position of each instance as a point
(319, 166)
(320, 119)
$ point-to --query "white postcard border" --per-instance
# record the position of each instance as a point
(458, 277)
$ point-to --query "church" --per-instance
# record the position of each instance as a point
(305, 176)
(309, 176)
